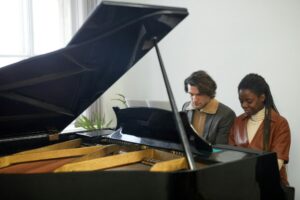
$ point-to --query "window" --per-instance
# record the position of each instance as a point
(33, 27)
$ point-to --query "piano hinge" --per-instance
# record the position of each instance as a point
(150, 161)
(177, 153)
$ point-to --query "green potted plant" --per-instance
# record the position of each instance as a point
(97, 121)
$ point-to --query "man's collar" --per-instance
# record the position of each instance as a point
(210, 108)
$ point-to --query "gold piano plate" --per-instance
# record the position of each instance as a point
(71, 156)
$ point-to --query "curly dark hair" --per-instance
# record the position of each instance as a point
(205, 84)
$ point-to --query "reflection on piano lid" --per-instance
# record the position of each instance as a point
(45, 93)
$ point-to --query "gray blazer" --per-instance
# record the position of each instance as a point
(217, 126)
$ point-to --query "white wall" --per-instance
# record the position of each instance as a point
(228, 39)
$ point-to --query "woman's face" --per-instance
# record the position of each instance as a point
(250, 102)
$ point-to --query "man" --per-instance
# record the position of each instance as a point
(211, 119)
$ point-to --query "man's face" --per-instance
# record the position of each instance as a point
(250, 102)
(198, 100)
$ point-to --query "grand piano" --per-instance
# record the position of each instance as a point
(145, 157)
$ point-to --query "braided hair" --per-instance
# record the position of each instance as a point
(258, 85)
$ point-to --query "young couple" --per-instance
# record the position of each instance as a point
(260, 127)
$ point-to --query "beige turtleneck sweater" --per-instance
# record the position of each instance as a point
(199, 116)
(254, 122)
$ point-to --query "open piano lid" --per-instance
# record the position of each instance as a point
(46, 93)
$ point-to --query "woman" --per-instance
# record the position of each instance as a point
(261, 127)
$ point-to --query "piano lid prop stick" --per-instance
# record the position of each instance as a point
(178, 121)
